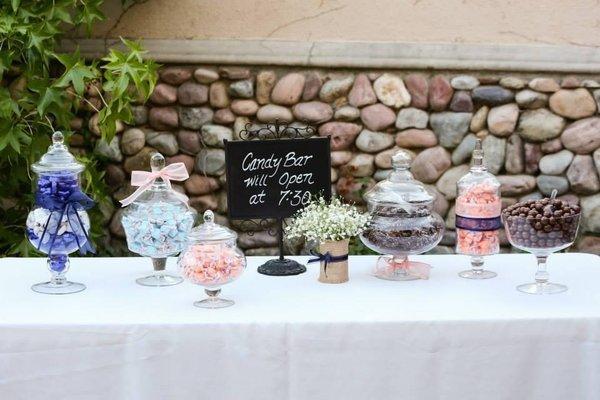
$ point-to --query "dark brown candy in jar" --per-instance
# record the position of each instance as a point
(542, 223)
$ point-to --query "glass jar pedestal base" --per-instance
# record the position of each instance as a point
(61, 287)
(160, 277)
(477, 271)
(479, 274)
(213, 300)
(398, 268)
(542, 288)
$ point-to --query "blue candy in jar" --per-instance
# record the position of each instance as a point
(54, 227)
(59, 224)
(157, 230)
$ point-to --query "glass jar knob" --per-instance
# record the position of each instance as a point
(209, 217)
(58, 142)
(401, 160)
(157, 162)
(58, 138)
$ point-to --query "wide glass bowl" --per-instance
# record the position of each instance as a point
(541, 237)
(399, 233)
(402, 223)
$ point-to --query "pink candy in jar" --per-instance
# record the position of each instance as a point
(477, 210)
(211, 265)
(478, 207)
(211, 259)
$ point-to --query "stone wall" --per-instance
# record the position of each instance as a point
(539, 133)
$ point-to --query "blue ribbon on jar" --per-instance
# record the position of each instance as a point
(478, 224)
(65, 198)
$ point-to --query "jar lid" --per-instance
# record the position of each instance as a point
(210, 231)
(401, 187)
(57, 158)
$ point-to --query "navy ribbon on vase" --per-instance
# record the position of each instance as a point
(326, 258)
(478, 224)
(69, 207)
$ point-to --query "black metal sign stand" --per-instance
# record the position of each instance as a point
(281, 266)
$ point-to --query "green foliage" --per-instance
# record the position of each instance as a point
(121, 71)
(42, 90)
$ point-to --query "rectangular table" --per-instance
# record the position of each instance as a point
(296, 338)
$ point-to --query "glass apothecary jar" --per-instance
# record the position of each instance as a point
(403, 223)
(157, 224)
(58, 224)
(212, 259)
(478, 207)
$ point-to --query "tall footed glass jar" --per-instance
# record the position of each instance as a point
(58, 224)
(478, 207)
(157, 219)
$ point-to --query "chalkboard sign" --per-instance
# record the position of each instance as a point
(274, 178)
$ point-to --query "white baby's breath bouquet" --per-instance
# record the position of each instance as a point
(327, 221)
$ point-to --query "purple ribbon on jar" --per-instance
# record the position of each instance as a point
(478, 224)
(60, 193)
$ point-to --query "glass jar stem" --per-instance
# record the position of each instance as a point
(400, 261)
(477, 271)
(160, 277)
(542, 284)
(400, 264)
(213, 300)
(477, 264)
(159, 264)
(212, 293)
(58, 266)
(58, 263)
(58, 278)
(541, 275)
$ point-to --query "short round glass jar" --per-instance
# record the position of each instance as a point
(156, 225)
(212, 259)
(403, 223)
(58, 224)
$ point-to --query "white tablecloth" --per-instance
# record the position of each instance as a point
(295, 338)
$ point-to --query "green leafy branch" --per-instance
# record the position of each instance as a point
(42, 90)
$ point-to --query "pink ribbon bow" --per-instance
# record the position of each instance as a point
(144, 179)
(389, 267)
(418, 269)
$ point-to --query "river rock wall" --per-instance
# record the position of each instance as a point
(539, 133)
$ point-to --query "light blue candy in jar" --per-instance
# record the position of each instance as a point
(157, 219)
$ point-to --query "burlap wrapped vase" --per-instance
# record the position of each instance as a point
(336, 271)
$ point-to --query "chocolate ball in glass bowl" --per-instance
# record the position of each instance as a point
(541, 227)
